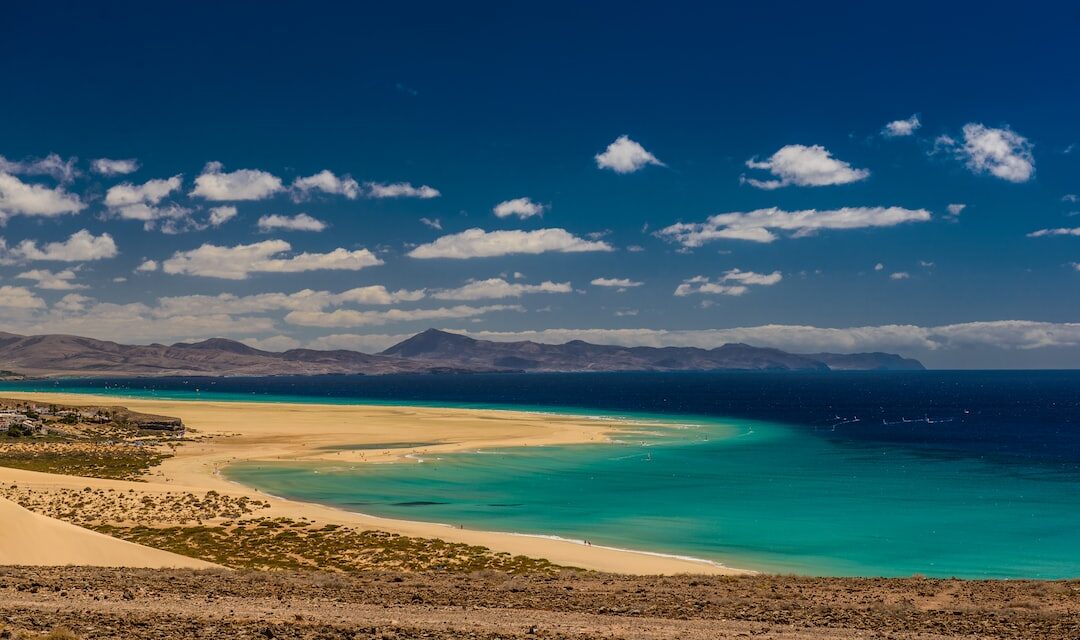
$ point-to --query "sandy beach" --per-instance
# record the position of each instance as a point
(231, 432)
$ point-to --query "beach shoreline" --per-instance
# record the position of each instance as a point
(231, 432)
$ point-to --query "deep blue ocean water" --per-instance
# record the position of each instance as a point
(972, 474)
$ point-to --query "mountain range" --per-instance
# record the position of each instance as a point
(431, 351)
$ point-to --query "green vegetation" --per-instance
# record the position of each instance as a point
(285, 544)
(114, 462)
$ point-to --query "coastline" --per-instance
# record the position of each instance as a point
(229, 432)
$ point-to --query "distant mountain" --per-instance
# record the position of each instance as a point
(432, 351)
(465, 352)
(876, 361)
(54, 355)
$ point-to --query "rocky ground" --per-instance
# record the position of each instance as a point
(125, 604)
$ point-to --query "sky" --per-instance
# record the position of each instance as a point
(830, 177)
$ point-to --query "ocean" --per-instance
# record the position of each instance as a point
(940, 473)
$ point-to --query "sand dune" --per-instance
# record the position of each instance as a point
(27, 538)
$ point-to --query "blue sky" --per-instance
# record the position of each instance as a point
(663, 173)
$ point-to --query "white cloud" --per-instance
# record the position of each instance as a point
(149, 192)
(734, 282)
(79, 247)
(899, 275)
(353, 318)
(21, 198)
(477, 243)
(19, 298)
(236, 263)
(326, 182)
(51, 165)
(1070, 197)
(433, 223)
(1003, 334)
(499, 288)
(242, 184)
(366, 342)
(900, 128)
(109, 167)
(72, 302)
(133, 323)
(879, 267)
(299, 222)
(1002, 153)
(306, 299)
(401, 190)
(147, 266)
(141, 202)
(955, 209)
(55, 281)
(277, 343)
(221, 215)
(618, 283)
(625, 156)
(520, 207)
(758, 225)
(1063, 231)
(804, 166)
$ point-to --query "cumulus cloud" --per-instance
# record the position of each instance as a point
(1062, 231)
(954, 210)
(1002, 153)
(221, 215)
(242, 184)
(149, 192)
(326, 182)
(110, 167)
(354, 318)
(477, 243)
(759, 225)
(520, 207)
(238, 262)
(899, 275)
(306, 299)
(51, 165)
(1002, 334)
(19, 298)
(626, 156)
(21, 198)
(364, 342)
(400, 190)
(55, 281)
(135, 322)
(498, 288)
(275, 344)
(804, 166)
(299, 222)
(147, 266)
(901, 128)
(617, 283)
(81, 246)
(734, 282)
(142, 202)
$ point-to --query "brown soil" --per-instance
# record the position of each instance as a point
(107, 604)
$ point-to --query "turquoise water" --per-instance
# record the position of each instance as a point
(745, 493)
(969, 474)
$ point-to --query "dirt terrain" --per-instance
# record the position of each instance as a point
(124, 604)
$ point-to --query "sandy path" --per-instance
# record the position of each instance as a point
(241, 431)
